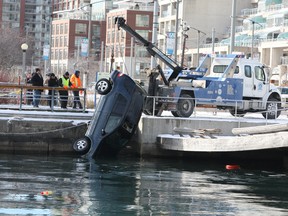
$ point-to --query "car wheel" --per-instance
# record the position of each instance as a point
(82, 145)
(103, 86)
(185, 106)
(238, 113)
(273, 105)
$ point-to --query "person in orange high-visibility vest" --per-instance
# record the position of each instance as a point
(76, 83)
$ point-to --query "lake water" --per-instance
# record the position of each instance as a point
(133, 186)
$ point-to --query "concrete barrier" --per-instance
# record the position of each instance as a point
(20, 135)
(145, 140)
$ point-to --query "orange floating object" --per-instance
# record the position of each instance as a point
(232, 167)
(46, 193)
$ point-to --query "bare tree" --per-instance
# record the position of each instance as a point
(10, 48)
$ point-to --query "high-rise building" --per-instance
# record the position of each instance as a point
(31, 18)
(198, 19)
(76, 25)
(122, 49)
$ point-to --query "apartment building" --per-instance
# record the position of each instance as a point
(74, 27)
(122, 49)
(68, 36)
(31, 18)
(199, 20)
(261, 33)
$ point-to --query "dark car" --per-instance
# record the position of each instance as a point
(116, 116)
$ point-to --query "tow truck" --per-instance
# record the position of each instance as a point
(229, 82)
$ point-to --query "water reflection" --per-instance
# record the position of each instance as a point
(132, 186)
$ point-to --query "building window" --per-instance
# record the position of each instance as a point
(142, 20)
(57, 29)
(61, 29)
(80, 28)
(56, 42)
(143, 33)
(66, 28)
(109, 22)
(65, 41)
(78, 41)
(61, 42)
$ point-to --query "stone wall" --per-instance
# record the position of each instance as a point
(20, 136)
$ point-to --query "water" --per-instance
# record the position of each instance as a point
(133, 186)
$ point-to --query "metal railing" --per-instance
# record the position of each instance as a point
(22, 95)
(213, 106)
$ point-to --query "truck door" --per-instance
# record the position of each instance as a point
(260, 84)
(254, 81)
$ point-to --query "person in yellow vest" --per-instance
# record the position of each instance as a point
(65, 83)
(76, 83)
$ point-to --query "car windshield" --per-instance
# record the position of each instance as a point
(116, 114)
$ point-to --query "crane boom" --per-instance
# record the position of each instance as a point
(151, 48)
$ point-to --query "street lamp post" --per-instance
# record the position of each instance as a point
(24, 48)
(198, 43)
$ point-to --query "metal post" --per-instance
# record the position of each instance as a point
(213, 40)
(252, 42)
(24, 48)
(23, 65)
(176, 30)
(154, 32)
(233, 17)
(50, 42)
(198, 47)
(88, 48)
(183, 49)
(58, 61)
(101, 57)
(131, 55)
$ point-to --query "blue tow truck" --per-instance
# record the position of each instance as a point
(229, 82)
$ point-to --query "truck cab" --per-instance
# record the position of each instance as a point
(254, 75)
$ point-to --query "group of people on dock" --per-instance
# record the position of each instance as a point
(66, 82)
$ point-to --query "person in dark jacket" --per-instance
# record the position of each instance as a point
(52, 82)
(37, 80)
(65, 83)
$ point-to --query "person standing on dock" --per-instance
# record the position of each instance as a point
(37, 80)
(65, 83)
(76, 83)
(52, 82)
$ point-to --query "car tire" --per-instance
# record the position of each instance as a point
(103, 86)
(82, 145)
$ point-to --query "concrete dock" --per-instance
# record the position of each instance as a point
(54, 133)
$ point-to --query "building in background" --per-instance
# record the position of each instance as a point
(72, 23)
(198, 19)
(32, 19)
(122, 49)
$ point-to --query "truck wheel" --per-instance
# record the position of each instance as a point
(185, 106)
(272, 105)
(82, 145)
(103, 86)
(238, 114)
